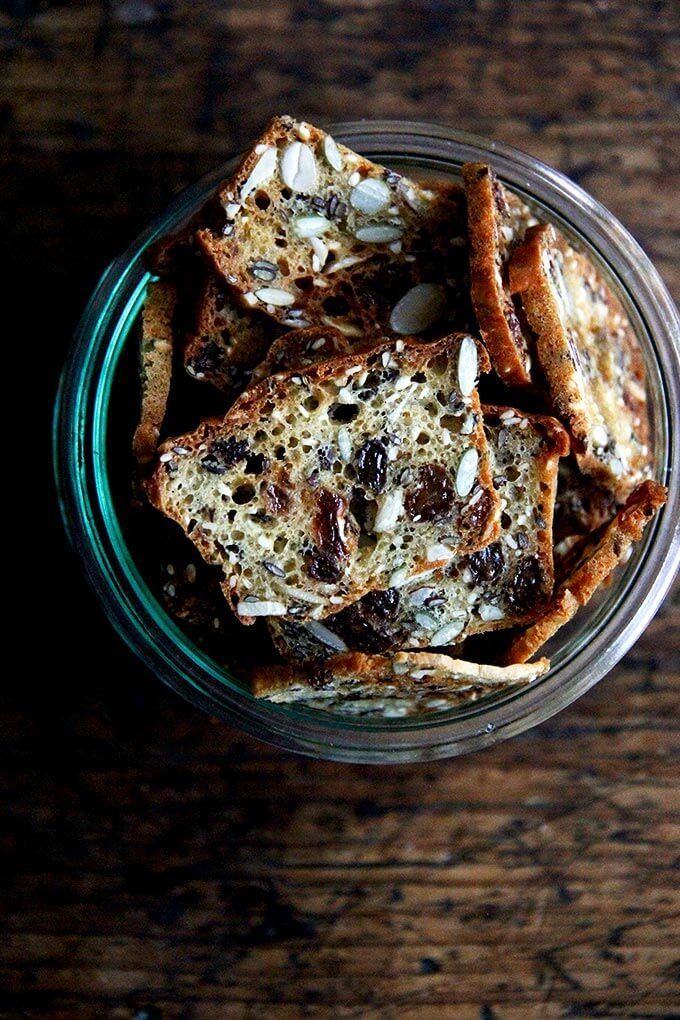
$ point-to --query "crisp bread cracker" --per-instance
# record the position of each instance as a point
(592, 568)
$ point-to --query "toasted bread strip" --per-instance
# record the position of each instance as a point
(506, 584)
(497, 221)
(156, 346)
(595, 564)
(408, 683)
(316, 235)
(590, 356)
(317, 488)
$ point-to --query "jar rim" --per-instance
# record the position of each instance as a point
(80, 469)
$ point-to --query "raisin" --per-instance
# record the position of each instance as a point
(371, 465)
(368, 625)
(323, 566)
(527, 585)
(257, 464)
(432, 495)
(383, 604)
(475, 517)
(223, 454)
(327, 525)
(209, 360)
(276, 499)
(486, 566)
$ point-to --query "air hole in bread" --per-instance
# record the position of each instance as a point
(244, 494)
(262, 200)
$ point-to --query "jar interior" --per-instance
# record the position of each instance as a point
(132, 529)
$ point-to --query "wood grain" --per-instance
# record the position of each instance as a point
(159, 864)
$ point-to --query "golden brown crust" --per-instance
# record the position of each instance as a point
(299, 349)
(593, 567)
(497, 220)
(590, 356)
(156, 347)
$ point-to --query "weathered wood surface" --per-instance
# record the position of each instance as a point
(156, 863)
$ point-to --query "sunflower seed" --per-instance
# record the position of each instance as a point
(298, 167)
(320, 251)
(488, 612)
(250, 606)
(378, 233)
(326, 636)
(264, 270)
(261, 172)
(344, 444)
(419, 596)
(370, 196)
(467, 472)
(446, 634)
(332, 153)
(274, 296)
(389, 511)
(419, 308)
(426, 621)
(310, 226)
(467, 366)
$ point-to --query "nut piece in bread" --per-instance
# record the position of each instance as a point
(593, 566)
(303, 219)
(506, 584)
(226, 342)
(404, 684)
(497, 221)
(358, 474)
(156, 347)
(299, 349)
(590, 356)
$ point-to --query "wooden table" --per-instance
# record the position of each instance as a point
(160, 865)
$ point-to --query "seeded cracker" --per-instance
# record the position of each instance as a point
(595, 564)
(590, 356)
(497, 222)
(507, 584)
(227, 341)
(317, 488)
(156, 345)
(405, 684)
(316, 235)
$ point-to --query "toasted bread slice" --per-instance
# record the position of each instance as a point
(299, 349)
(507, 584)
(317, 488)
(226, 342)
(497, 222)
(302, 213)
(156, 347)
(408, 683)
(590, 356)
(592, 568)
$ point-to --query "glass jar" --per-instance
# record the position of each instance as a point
(86, 448)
